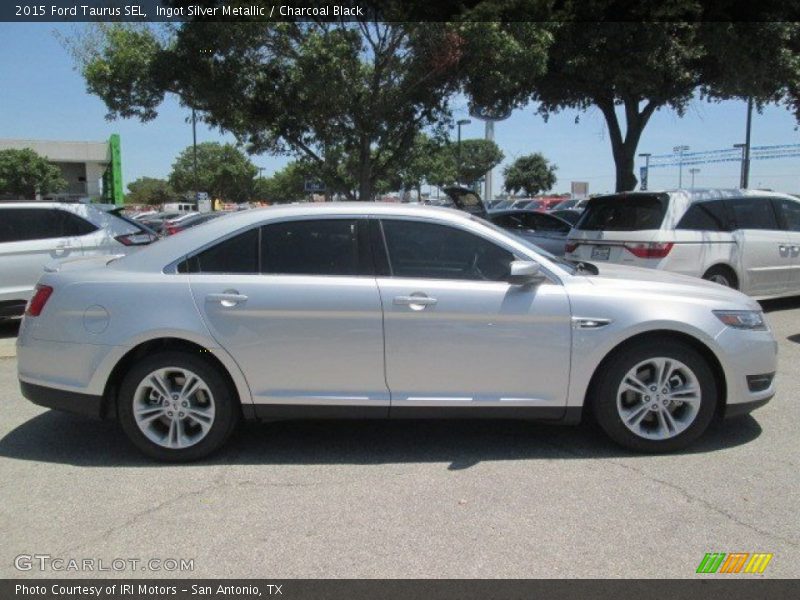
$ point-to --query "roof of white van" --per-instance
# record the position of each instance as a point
(701, 194)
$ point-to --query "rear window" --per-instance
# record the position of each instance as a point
(624, 213)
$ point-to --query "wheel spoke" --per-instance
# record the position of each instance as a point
(635, 384)
(665, 370)
(690, 395)
(160, 385)
(202, 418)
(636, 415)
(191, 385)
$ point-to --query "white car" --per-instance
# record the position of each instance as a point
(33, 234)
(745, 239)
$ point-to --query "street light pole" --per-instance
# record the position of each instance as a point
(643, 184)
(459, 123)
(694, 172)
(742, 176)
(680, 150)
(194, 158)
(746, 161)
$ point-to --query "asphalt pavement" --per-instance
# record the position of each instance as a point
(404, 499)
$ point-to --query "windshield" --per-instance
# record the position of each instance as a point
(624, 213)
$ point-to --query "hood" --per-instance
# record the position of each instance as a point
(653, 280)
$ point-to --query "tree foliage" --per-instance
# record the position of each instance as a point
(531, 174)
(285, 185)
(223, 171)
(25, 173)
(149, 190)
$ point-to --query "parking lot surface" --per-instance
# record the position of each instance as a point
(406, 498)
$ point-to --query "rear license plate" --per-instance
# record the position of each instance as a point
(601, 252)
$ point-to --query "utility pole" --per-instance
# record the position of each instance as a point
(694, 172)
(643, 183)
(746, 161)
(680, 150)
(742, 177)
(194, 157)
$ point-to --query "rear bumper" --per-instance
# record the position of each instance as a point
(73, 402)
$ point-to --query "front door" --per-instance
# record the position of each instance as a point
(461, 340)
(301, 316)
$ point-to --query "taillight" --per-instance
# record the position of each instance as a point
(570, 247)
(38, 301)
(649, 249)
(136, 239)
(172, 229)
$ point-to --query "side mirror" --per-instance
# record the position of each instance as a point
(525, 272)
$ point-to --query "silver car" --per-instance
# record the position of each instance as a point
(384, 311)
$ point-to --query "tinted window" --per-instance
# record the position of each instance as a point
(430, 251)
(534, 221)
(22, 224)
(238, 254)
(753, 213)
(789, 213)
(706, 216)
(624, 213)
(324, 247)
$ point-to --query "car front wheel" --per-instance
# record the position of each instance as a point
(655, 397)
(176, 406)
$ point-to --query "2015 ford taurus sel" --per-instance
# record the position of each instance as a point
(376, 311)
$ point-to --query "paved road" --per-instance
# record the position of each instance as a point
(407, 499)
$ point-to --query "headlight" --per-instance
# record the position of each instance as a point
(742, 319)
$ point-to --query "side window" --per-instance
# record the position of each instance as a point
(432, 251)
(753, 213)
(542, 222)
(25, 224)
(509, 221)
(788, 213)
(706, 216)
(75, 225)
(238, 254)
(323, 247)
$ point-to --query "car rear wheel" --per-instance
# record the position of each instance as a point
(723, 276)
(177, 406)
(655, 397)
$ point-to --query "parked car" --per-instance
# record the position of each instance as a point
(527, 204)
(502, 204)
(465, 199)
(577, 204)
(184, 223)
(335, 310)
(156, 221)
(548, 232)
(33, 234)
(748, 240)
(569, 215)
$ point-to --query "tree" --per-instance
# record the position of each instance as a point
(630, 70)
(223, 171)
(476, 157)
(149, 190)
(349, 97)
(25, 173)
(285, 185)
(531, 174)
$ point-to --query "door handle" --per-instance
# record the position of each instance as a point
(227, 299)
(415, 302)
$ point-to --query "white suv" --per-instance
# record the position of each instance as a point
(745, 239)
(33, 234)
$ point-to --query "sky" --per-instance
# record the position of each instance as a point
(43, 97)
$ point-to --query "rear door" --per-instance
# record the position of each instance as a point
(30, 238)
(766, 255)
(788, 212)
(297, 306)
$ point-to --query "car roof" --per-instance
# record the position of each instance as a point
(703, 194)
(165, 251)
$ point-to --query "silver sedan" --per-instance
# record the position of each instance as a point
(384, 311)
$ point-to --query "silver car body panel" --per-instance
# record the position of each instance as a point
(345, 341)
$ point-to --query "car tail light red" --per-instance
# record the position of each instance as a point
(172, 229)
(38, 301)
(649, 249)
(136, 239)
(570, 247)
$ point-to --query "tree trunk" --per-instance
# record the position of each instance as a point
(624, 149)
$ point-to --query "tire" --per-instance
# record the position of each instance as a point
(657, 422)
(722, 275)
(169, 427)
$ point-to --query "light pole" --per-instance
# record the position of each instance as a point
(459, 123)
(680, 150)
(643, 183)
(694, 172)
(742, 177)
(746, 160)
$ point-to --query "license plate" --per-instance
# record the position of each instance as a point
(601, 252)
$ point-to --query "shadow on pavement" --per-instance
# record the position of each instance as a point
(780, 304)
(61, 438)
(9, 328)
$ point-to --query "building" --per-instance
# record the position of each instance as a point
(93, 170)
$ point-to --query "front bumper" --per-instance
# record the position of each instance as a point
(73, 402)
